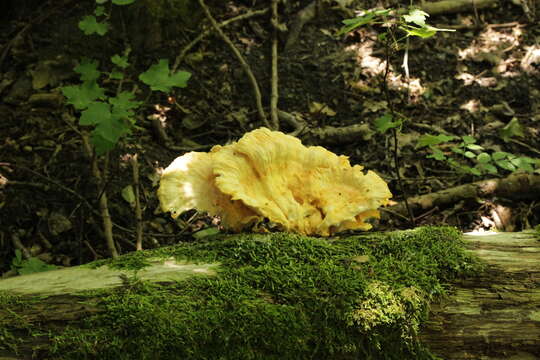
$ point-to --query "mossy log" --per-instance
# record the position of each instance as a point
(495, 315)
(281, 296)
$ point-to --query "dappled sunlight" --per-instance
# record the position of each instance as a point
(484, 81)
(371, 65)
(494, 46)
(491, 41)
(531, 61)
(472, 106)
(412, 85)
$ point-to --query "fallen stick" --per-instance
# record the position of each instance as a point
(456, 6)
(515, 186)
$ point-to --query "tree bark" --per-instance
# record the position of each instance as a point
(497, 314)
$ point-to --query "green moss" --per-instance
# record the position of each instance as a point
(12, 324)
(277, 296)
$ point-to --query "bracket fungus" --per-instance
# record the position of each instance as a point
(268, 174)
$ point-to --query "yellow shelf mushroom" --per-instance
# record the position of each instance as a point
(267, 174)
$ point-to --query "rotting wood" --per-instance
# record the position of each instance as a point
(494, 315)
(456, 6)
(517, 186)
(497, 314)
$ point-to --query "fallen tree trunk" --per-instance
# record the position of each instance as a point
(497, 314)
(517, 186)
(271, 296)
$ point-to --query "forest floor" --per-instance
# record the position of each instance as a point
(481, 82)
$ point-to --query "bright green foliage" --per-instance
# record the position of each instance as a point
(385, 122)
(89, 25)
(369, 17)
(88, 69)
(111, 117)
(430, 140)
(120, 61)
(413, 23)
(420, 28)
(80, 96)
(159, 77)
(484, 162)
(277, 296)
(29, 266)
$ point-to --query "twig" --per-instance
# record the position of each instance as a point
(94, 253)
(394, 131)
(68, 190)
(205, 33)
(275, 95)
(245, 66)
(103, 200)
(303, 17)
(138, 212)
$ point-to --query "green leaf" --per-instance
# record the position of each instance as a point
(429, 140)
(468, 139)
(88, 69)
(123, 104)
(89, 25)
(101, 1)
(99, 11)
(383, 123)
(80, 96)
(524, 163)
(123, 2)
(368, 17)
(206, 232)
(506, 165)
(158, 77)
(423, 32)
(417, 17)
(469, 154)
(111, 129)
(34, 265)
(498, 155)
(513, 128)
(129, 195)
(483, 158)
(490, 168)
(437, 154)
(473, 171)
(96, 113)
(101, 144)
(474, 147)
(120, 61)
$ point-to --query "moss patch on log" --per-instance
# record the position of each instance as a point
(275, 296)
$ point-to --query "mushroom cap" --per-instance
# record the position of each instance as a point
(188, 183)
(267, 174)
(308, 190)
